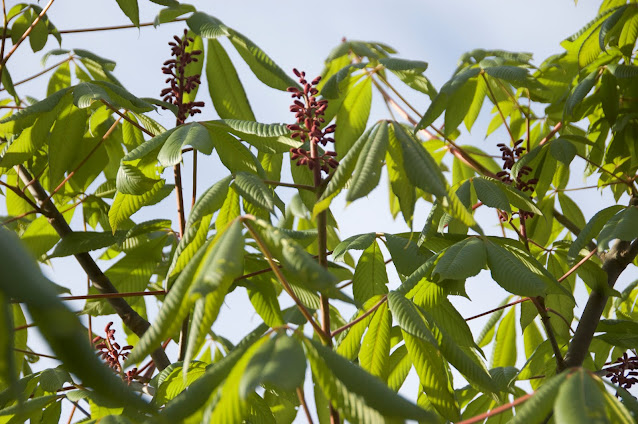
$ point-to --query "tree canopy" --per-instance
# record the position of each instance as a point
(78, 162)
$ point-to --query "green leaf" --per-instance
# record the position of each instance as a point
(563, 150)
(407, 257)
(352, 116)
(367, 172)
(207, 26)
(79, 242)
(358, 242)
(253, 189)
(8, 371)
(434, 376)
(170, 381)
(349, 342)
(295, 259)
(397, 64)
(280, 362)
(59, 326)
(580, 400)
(370, 277)
(131, 10)
(440, 102)
(131, 181)
(375, 348)
(591, 230)
(223, 261)
(193, 134)
(622, 226)
(536, 409)
(504, 353)
(264, 68)
(461, 260)
(356, 393)
(408, 317)
(421, 169)
(226, 90)
(491, 194)
(513, 74)
(515, 276)
(198, 222)
(344, 171)
(580, 91)
(125, 205)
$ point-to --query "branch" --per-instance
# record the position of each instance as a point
(525, 299)
(130, 317)
(35, 76)
(500, 112)
(614, 263)
(110, 28)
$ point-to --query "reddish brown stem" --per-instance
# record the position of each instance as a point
(114, 295)
(110, 28)
(496, 411)
(26, 33)
(28, 352)
(362, 317)
(491, 311)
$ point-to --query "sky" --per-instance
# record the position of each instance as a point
(299, 35)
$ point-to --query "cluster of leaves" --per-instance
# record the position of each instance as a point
(94, 146)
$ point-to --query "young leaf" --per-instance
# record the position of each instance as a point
(352, 116)
(280, 363)
(580, 91)
(358, 242)
(591, 230)
(131, 10)
(193, 134)
(226, 90)
(536, 409)
(359, 395)
(512, 274)
(580, 400)
(367, 172)
(375, 348)
(461, 260)
(264, 68)
(420, 167)
(504, 353)
(370, 277)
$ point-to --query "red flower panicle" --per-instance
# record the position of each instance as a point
(510, 157)
(179, 82)
(309, 116)
(111, 353)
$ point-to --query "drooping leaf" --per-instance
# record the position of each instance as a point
(254, 190)
(352, 116)
(226, 90)
(125, 205)
(375, 348)
(193, 134)
(370, 276)
(359, 395)
(357, 242)
(513, 275)
(461, 260)
(591, 230)
(367, 171)
(623, 226)
(536, 409)
(280, 362)
(580, 400)
(131, 10)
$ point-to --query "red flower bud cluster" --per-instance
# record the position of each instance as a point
(111, 352)
(624, 364)
(510, 157)
(309, 115)
(179, 82)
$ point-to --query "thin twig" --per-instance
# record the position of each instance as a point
(291, 185)
(525, 299)
(497, 410)
(26, 33)
(575, 267)
(114, 295)
(302, 400)
(362, 317)
(87, 157)
(282, 279)
(115, 27)
(500, 112)
(32, 77)
(28, 352)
